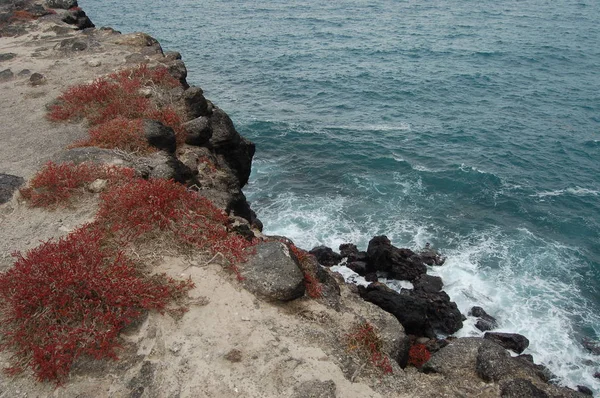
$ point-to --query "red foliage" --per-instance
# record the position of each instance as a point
(126, 134)
(314, 289)
(418, 355)
(57, 183)
(117, 96)
(22, 15)
(131, 210)
(71, 298)
(365, 338)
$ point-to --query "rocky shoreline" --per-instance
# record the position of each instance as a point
(214, 160)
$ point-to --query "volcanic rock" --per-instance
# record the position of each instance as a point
(271, 272)
(485, 321)
(520, 388)
(421, 313)
(8, 185)
(198, 131)
(511, 341)
(403, 264)
(159, 136)
(326, 256)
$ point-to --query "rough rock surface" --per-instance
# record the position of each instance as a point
(159, 135)
(326, 256)
(511, 341)
(8, 185)
(403, 264)
(485, 321)
(272, 273)
(421, 313)
(521, 388)
(198, 131)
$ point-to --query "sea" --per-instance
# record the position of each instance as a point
(470, 125)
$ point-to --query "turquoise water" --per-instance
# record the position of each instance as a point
(471, 125)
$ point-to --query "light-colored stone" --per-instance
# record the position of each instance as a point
(97, 186)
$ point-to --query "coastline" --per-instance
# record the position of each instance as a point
(72, 61)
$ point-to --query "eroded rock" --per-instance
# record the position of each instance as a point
(271, 272)
(511, 341)
(403, 264)
(8, 185)
(326, 256)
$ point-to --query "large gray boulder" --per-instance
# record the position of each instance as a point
(272, 273)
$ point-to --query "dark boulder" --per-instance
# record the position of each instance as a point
(421, 313)
(236, 150)
(198, 131)
(195, 103)
(326, 256)
(160, 136)
(485, 322)
(6, 75)
(8, 185)
(178, 70)
(403, 264)
(511, 341)
(585, 390)
(78, 18)
(359, 267)
(520, 388)
(591, 345)
(597, 375)
(371, 277)
(428, 283)
(431, 256)
(351, 252)
(37, 79)
(7, 56)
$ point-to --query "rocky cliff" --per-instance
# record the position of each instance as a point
(281, 324)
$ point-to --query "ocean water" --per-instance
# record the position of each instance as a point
(473, 125)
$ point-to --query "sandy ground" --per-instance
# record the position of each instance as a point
(229, 344)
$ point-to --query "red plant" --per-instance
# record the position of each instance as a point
(131, 210)
(71, 298)
(314, 289)
(57, 182)
(126, 134)
(118, 96)
(418, 355)
(22, 15)
(366, 339)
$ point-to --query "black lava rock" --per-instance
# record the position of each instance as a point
(511, 341)
(326, 256)
(403, 264)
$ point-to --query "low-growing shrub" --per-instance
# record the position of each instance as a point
(72, 297)
(418, 354)
(22, 15)
(118, 97)
(365, 339)
(122, 133)
(57, 183)
(132, 210)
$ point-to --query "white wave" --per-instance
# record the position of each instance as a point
(350, 276)
(577, 191)
(402, 126)
(524, 298)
